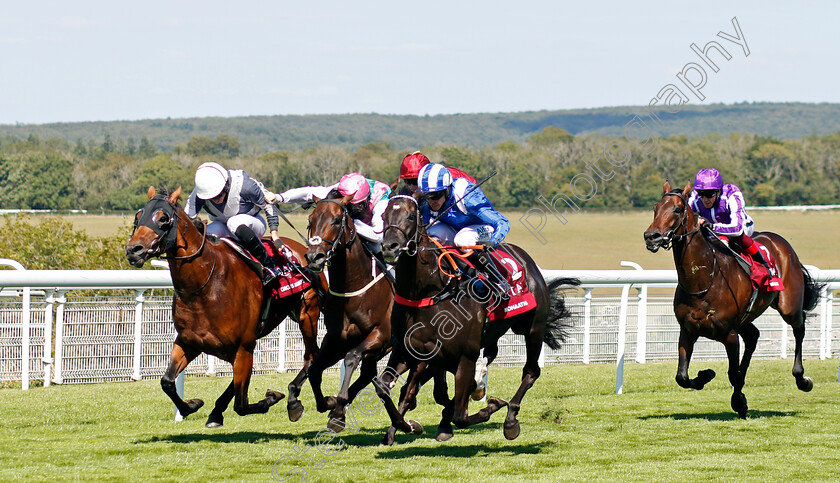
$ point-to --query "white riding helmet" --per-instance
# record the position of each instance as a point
(210, 180)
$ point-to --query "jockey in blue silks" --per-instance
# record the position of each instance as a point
(722, 205)
(472, 221)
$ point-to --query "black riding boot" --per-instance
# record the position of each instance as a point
(252, 243)
(485, 264)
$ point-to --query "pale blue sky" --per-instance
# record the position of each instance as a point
(98, 60)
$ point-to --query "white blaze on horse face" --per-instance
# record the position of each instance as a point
(315, 240)
(396, 207)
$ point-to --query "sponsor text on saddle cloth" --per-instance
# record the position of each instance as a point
(520, 299)
(289, 281)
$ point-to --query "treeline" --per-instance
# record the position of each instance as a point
(114, 175)
(262, 134)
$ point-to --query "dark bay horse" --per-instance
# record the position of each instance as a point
(217, 302)
(448, 332)
(713, 294)
(357, 310)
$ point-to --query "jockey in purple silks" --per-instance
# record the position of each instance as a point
(723, 206)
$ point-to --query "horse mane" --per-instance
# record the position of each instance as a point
(357, 211)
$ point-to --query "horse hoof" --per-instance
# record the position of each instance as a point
(213, 424)
(512, 431)
(387, 440)
(444, 435)
(336, 425)
(295, 411)
(479, 394)
(496, 403)
(193, 405)
(805, 384)
(416, 427)
(274, 397)
(739, 405)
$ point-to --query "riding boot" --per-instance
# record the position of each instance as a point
(254, 245)
(484, 264)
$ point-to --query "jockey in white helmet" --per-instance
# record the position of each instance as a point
(234, 200)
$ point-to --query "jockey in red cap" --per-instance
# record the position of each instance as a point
(411, 166)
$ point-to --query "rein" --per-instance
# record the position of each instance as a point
(674, 237)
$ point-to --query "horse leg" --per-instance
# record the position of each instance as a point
(464, 384)
(530, 373)
(409, 392)
(179, 359)
(686, 344)
(364, 352)
(217, 418)
(803, 383)
(397, 421)
(441, 392)
(294, 406)
(327, 356)
(309, 330)
(242, 366)
(739, 401)
(750, 334)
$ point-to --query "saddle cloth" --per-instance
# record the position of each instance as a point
(289, 281)
(761, 278)
(520, 299)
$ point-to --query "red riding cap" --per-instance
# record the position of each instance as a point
(411, 165)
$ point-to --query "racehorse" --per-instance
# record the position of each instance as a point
(217, 303)
(713, 294)
(445, 331)
(357, 310)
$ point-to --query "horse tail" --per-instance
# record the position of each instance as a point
(812, 291)
(559, 317)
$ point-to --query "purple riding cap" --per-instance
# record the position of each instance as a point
(727, 214)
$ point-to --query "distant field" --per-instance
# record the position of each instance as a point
(601, 240)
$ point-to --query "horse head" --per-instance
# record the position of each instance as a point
(154, 225)
(402, 227)
(330, 226)
(672, 217)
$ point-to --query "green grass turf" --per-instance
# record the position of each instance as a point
(573, 429)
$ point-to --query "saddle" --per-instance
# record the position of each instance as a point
(762, 280)
(292, 278)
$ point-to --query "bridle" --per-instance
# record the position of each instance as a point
(333, 244)
(673, 236)
(412, 242)
(166, 235)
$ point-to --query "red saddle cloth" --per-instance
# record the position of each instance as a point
(520, 299)
(761, 278)
(290, 281)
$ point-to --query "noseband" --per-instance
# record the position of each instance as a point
(317, 240)
(412, 242)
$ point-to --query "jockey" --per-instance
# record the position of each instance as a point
(370, 198)
(410, 168)
(234, 200)
(722, 205)
(472, 221)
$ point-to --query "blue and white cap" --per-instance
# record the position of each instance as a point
(433, 177)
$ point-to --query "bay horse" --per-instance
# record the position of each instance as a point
(216, 305)
(713, 294)
(357, 309)
(447, 333)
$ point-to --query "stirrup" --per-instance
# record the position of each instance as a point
(269, 274)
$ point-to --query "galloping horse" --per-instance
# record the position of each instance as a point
(713, 294)
(446, 332)
(357, 310)
(217, 302)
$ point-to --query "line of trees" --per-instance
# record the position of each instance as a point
(114, 175)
